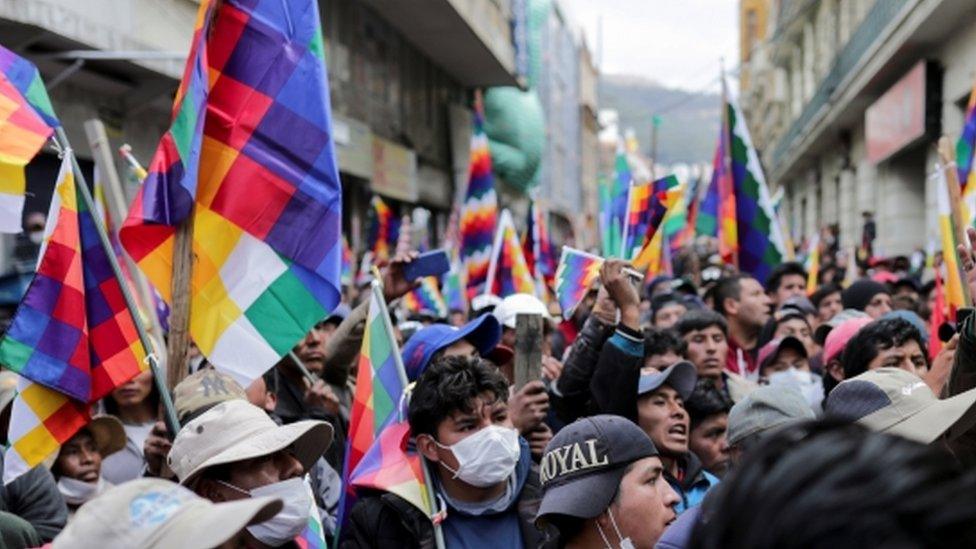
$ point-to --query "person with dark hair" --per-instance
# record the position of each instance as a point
(890, 342)
(653, 400)
(869, 296)
(745, 306)
(881, 491)
(458, 415)
(78, 465)
(603, 485)
(789, 323)
(662, 348)
(708, 409)
(706, 335)
(134, 403)
(666, 309)
(827, 301)
(787, 280)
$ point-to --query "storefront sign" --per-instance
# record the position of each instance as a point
(354, 146)
(897, 119)
(394, 170)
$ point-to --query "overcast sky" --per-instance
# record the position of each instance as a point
(675, 42)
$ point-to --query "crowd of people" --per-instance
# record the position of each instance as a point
(680, 413)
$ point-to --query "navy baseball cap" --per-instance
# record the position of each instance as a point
(581, 468)
(483, 332)
(680, 376)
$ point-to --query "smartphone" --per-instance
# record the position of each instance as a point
(432, 263)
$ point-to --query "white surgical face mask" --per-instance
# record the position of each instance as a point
(486, 457)
(625, 543)
(280, 529)
(36, 236)
(77, 492)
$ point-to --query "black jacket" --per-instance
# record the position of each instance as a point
(34, 497)
(571, 398)
(961, 379)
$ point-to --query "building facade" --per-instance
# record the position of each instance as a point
(846, 99)
(401, 76)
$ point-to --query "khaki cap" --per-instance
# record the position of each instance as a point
(147, 512)
(108, 433)
(237, 430)
(203, 390)
(892, 400)
(8, 388)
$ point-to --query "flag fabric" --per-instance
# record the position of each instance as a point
(251, 158)
(378, 430)
(674, 222)
(379, 385)
(479, 212)
(508, 272)
(954, 299)
(759, 236)
(574, 277)
(72, 331)
(41, 420)
(537, 249)
(102, 212)
(648, 258)
(617, 197)
(348, 261)
(693, 195)
(706, 224)
(72, 339)
(383, 232)
(454, 292)
(966, 145)
(26, 122)
(813, 264)
(425, 299)
(393, 465)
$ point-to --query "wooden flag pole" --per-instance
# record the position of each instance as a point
(178, 344)
(947, 163)
(169, 412)
(118, 207)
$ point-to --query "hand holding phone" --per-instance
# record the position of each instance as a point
(432, 263)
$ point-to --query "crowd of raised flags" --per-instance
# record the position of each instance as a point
(248, 173)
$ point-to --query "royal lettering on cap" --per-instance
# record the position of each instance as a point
(572, 458)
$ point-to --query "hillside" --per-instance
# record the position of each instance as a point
(689, 127)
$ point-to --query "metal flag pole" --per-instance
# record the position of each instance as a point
(169, 413)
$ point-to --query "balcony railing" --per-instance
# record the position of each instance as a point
(882, 13)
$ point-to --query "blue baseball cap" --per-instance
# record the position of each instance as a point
(483, 332)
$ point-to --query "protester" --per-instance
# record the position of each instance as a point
(481, 468)
(893, 400)
(514, 305)
(135, 404)
(834, 345)
(655, 401)
(745, 306)
(760, 414)
(785, 363)
(705, 333)
(78, 465)
(880, 490)
(666, 310)
(708, 409)
(789, 323)
(787, 280)
(234, 451)
(156, 513)
(891, 342)
(869, 296)
(827, 301)
(207, 388)
(603, 486)
(662, 348)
